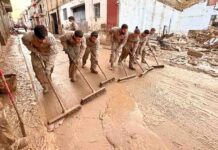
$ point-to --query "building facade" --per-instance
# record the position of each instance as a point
(89, 14)
(95, 14)
(5, 21)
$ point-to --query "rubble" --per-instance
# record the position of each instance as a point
(198, 48)
(194, 53)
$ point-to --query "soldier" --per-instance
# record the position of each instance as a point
(143, 45)
(93, 44)
(130, 48)
(118, 37)
(43, 49)
(74, 44)
(71, 25)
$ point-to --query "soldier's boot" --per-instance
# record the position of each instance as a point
(73, 78)
(131, 67)
(112, 66)
(45, 88)
(94, 71)
(120, 61)
(83, 65)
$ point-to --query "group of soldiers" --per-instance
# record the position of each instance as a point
(78, 47)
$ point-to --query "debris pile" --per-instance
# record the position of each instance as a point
(197, 51)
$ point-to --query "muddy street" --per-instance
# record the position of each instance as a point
(170, 108)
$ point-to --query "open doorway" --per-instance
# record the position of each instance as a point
(54, 23)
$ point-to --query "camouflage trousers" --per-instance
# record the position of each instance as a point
(43, 66)
(141, 51)
(114, 53)
(93, 59)
(127, 52)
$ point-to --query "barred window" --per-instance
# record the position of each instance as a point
(97, 10)
(65, 13)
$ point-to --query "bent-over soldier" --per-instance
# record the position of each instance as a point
(43, 47)
(130, 48)
(92, 48)
(74, 44)
(118, 38)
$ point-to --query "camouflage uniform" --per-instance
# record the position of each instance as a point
(41, 53)
(70, 26)
(143, 46)
(118, 41)
(74, 50)
(93, 48)
(130, 49)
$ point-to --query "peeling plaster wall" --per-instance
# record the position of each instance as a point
(147, 14)
(151, 13)
(196, 17)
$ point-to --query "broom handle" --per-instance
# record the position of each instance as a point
(139, 66)
(53, 89)
(85, 79)
(124, 69)
(98, 65)
(137, 62)
(13, 103)
(154, 56)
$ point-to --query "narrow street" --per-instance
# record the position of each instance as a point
(168, 100)
(170, 108)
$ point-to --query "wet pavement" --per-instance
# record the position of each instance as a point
(12, 61)
(168, 108)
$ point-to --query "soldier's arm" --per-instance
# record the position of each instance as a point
(123, 43)
(26, 41)
(144, 44)
(63, 40)
(82, 48)
(53, 44)
(97, 49)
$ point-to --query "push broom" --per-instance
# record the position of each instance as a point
(127, 76)
(94, 93)
(65, 112)
(144, 71)
(107, 80)
(158, 65)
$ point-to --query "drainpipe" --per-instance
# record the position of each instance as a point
(47, 13)
(118, 16)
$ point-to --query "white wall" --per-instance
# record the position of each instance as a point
(151, 13)
(89, 12)
(147, 14)
(196, 17)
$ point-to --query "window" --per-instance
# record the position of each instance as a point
(97, 10)
(214, 20)
(65, 13)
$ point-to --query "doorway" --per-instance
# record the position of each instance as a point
(54, 23)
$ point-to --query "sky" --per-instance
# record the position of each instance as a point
(18, 6)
